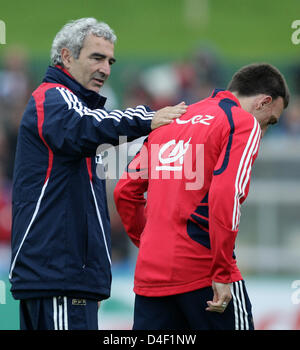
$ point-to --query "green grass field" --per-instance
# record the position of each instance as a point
(239, 29)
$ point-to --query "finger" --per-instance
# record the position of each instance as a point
(180, 107)
(211, 309)
(181, 104)
(215, 307)
(170, 118)
(175, 113)
(215, 298)
(218, 306)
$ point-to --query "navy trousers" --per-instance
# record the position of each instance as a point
(58, 313)
(187, 311)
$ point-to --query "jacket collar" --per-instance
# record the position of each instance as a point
(225, 94)
(59, 75)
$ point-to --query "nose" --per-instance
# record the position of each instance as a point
(105, 68)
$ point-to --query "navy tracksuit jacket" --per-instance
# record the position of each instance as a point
(61, 231)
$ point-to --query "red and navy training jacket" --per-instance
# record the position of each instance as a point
(61, 231)
(196, 172)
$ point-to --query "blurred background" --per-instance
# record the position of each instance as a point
(168, 51)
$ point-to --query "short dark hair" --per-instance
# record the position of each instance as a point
(260, 78)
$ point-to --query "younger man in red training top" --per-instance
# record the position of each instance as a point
(196, 172)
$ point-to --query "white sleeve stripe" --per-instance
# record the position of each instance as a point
(99, 114)
(236, 197)
(249, 167)
(140, 111)
(240, 192)
(87, 111)
(244, 171)
(92, 113)
(69, 100)
(145, 112)
(74, 103)
(246, 175)
(136, 114)
(143, 108)
(249, 156)
(65, 97)
(117, 112)
(117, 115)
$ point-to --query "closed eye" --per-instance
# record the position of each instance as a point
(100, 57)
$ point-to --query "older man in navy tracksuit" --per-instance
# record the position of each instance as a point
(61, 261)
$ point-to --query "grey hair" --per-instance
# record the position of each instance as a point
(72, 36)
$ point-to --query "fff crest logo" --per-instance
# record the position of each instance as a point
(2, 32)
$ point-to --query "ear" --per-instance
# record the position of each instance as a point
(66, 57)
(263, 101)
